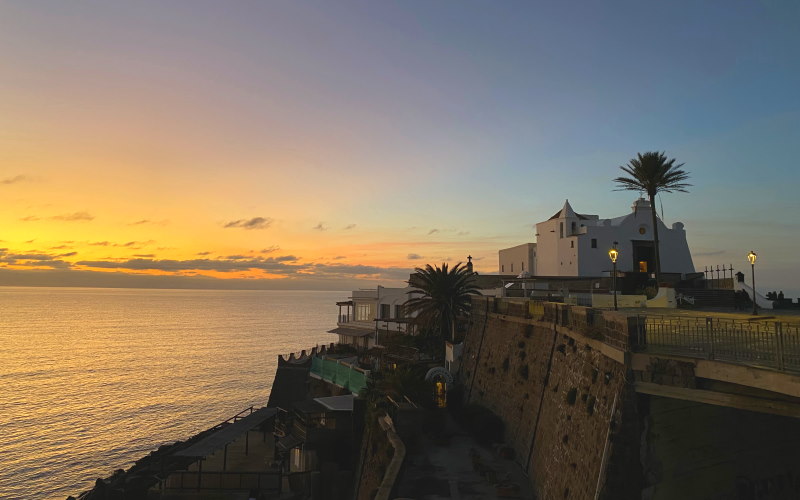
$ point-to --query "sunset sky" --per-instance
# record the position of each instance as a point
(335, 144)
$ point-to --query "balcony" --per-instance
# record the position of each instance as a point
(345, 374)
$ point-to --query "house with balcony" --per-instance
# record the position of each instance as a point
(371, 313)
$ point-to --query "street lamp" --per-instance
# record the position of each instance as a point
(751, 257)
(613, 254)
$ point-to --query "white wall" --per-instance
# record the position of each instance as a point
(573, 255)
(517, 259)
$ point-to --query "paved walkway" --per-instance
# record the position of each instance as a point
(435, 471)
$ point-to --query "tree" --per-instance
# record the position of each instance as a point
(652, 173)
(440, 295)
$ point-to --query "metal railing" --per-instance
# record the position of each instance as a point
(767, 344)
(341, 373)
(219, 480)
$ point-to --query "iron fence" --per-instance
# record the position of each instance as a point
(768, 344)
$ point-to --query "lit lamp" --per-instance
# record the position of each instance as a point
(613, 254)
(751, 257)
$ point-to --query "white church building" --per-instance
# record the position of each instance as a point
(577, 245)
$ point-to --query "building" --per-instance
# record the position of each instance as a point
(367, 313)
(570, 244)
(517, 260)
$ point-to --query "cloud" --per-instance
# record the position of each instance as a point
(32, 260)
(320, 227)
(254, 223)
(68, 254)
(339, 257)
(73, 217)
(134, 245)
(432, 231)
(148, 221)
(30, 218)
(462, 233)
(414, 256)
(277, 265)
(270, 249)
(708, 254)
(145, 255)
(203, 253)
(60, 247)
(349, 226)
(15, 179)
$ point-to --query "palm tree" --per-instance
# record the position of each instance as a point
(441, 295)
(652, 173)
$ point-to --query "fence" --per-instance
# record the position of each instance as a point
(340, 373)
(219, 480)
(766, 344)
(772, 344)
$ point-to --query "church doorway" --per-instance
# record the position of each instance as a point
(644, 260)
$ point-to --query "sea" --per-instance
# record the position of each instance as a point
(93, 379)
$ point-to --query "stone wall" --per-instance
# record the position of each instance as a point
(376, 454)
(696, 450)
(557, 394)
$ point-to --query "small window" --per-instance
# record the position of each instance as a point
(560, 229)
(398, 311)
(523, 266)
(385, 311)
(512, 267)
(502, 268)
(642, 266)
(574, 228)
(572, 244)
(594, 242)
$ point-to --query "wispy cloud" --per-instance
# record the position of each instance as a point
(74, 217)
(150, 222)
(349, 226)
(270, 249)
(320, 227)
(15, 179)
(30, 218)
(414, 256)
(432, 231)
(254, 223)
(708, 254)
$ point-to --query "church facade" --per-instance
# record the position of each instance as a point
(576, 245)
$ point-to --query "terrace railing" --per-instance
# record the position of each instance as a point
(339, 372)
(768, 344)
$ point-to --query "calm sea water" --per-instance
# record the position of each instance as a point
(93, 379)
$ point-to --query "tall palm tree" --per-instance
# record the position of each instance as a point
(440, 295)
(652, 173)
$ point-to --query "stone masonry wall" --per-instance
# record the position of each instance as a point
(554, 392)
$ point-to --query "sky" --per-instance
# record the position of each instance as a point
(332, 145)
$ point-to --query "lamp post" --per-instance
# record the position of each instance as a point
(751, 257)
(613, 254)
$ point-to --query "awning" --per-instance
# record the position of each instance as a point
(288, 442)
(227, 434)
(351, 332)
(337, 403)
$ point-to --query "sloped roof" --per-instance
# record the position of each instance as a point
(351, 332)
(227, 434)
(567, 211)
